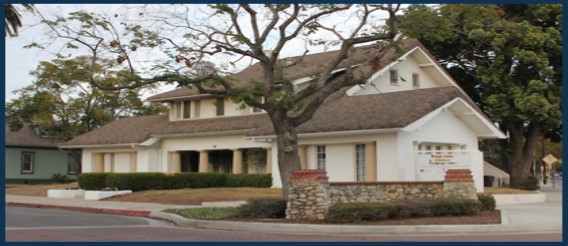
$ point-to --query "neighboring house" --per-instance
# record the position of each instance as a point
(32, 158)
(495, 177)
(410, 122)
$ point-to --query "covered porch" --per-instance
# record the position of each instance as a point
(235, 161)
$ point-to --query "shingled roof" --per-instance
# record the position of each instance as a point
(306, 67)
(26, 137)
(375, 111)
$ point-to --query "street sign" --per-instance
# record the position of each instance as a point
(549, 159)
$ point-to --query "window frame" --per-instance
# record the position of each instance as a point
(415, 80)
(321, 157)
(196, 108)
(32, 162)
(186, 110)
(360, 162)
(220, 105)
(393, 76)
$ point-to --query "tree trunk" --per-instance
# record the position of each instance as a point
(288, 158)
(522, 153)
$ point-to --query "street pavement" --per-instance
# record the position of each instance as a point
(545, 217)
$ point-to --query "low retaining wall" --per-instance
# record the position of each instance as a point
(310, 193)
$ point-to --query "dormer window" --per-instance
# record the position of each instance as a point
(187, 109)
(182, 110)
(196, 108)
(416, 80)
(220, 104)
(393, 76)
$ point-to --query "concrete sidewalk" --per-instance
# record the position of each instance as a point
(545, 216)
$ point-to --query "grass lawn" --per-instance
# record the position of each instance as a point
(178, 197)
(213, 213)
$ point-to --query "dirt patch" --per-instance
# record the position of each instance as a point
(37, 189)
(483, 218)
(506, 190)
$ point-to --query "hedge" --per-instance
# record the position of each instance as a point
(358, 212)
(268, 208)
(161, 181)
(92, 181)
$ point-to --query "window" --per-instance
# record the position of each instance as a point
(438, 149)
(27, 162)
(416, 80)
(73, 163)
(196, 108)
(220, 104)
(321, 157)
(360, 162)
(178, 110)
(187, 109)
(394, 76)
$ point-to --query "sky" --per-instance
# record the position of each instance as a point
(20, 61)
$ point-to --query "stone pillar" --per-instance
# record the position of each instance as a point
(133, 162)
(108, 163)
(308, 196)
(237, 161)
(98, 163)
(458, 183)
(203, 161)
(371, 161)
(176, 162)
(303, 156)
(269, 160)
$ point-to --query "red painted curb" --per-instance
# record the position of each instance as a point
(140, 213)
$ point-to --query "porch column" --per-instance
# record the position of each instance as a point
(371, 161)
(98, 163)
(303, 156)
(108, 163)
(133, 162)
(268, 160)
(203, 161)
(237, 161)
(176, 162)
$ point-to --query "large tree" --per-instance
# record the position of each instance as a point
(190, 34)
(509, 60)
(63, 103)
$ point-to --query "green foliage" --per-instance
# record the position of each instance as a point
(198, 180)
(487, 202)
(532, 183)
(249, 180)
(137, 181)
(359, 212)
(212, 213)
(93, 181)
(59, 178)
(455, 207)
(263, 208)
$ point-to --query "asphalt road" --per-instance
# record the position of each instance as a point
(52, 225)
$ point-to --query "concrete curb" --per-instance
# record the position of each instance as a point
(314, 229)
(352, 229)
(139, 213)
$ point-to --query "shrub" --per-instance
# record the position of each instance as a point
(263, 208)
(358, 212)
(138, 181)
(487, 202)
(92, 181)
(532, 183)
(455, 207)
(197, 180)
(249, 180)
(59, 178)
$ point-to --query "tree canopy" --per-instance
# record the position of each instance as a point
(508, 57)
(65, 105)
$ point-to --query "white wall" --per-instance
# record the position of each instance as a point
(405, 69)
(387, 157)
(122, 162)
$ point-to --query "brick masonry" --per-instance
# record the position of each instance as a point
(311, 194)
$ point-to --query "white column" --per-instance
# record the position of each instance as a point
(176, 162)
(269, 160)
(237, 161)
(203, 161)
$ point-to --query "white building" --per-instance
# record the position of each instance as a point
(410, 122)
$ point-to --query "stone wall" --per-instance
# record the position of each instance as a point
(311, 194)
(308, 195)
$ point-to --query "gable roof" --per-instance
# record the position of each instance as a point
(26, 137)
(306, 67)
